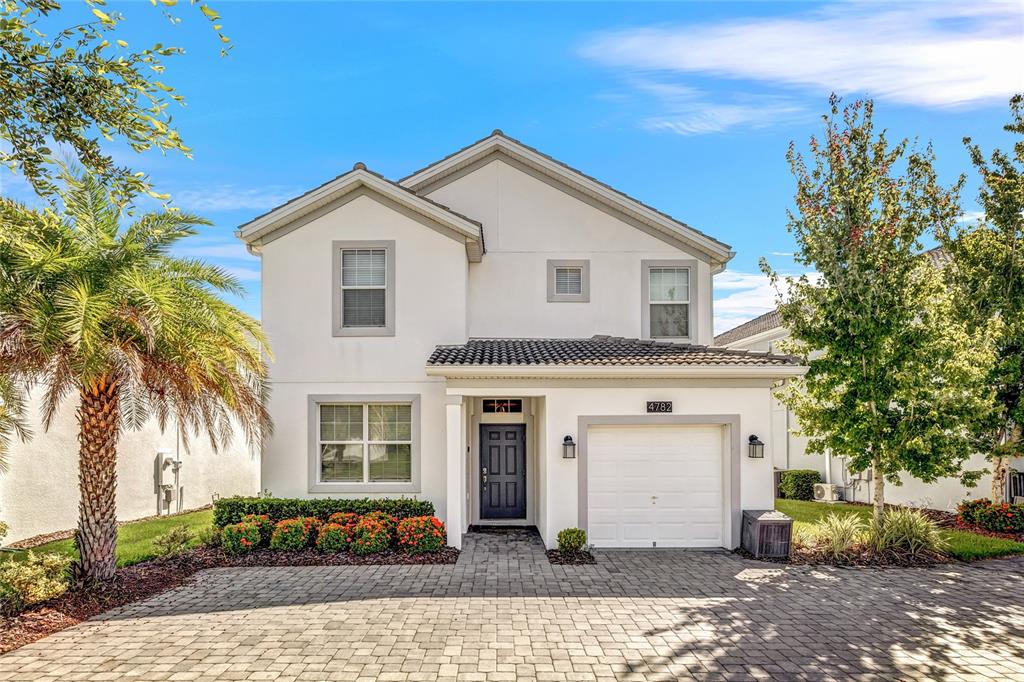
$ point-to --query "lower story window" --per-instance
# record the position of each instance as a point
(365, 443)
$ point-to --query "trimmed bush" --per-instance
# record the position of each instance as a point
(421, 534)
(907, 532)
(370, 536)
(997, 518)
(38, 578)
(798, 484)
(231, 509)
(389, 521)
(174, 542)
(572, 540)
(294, 534)
(333, 537)
(839, 533)
(263, 522)
(237, 538)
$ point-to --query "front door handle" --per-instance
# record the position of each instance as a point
(484, 472)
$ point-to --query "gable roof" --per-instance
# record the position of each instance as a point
(498, 143)
(600, 355)
(770, 321)
(270, 225)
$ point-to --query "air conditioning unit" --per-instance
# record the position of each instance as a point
(826, 492)
(766, 533)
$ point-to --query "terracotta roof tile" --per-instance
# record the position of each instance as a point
(597, 350)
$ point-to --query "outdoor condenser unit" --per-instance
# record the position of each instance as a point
(767, 533)
(826, 492)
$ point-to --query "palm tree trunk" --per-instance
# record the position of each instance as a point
(97, 479)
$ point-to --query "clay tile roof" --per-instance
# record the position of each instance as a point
(767, 322)
(596, 350)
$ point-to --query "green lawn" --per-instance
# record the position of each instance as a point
(135, 540)
(962, 545)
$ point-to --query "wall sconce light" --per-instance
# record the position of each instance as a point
(568, 448)
(755, 448)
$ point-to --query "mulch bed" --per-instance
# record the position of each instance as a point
(150, 578)
(978, 530)
(36, 540)
(581, 558)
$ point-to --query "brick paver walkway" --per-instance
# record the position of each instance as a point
(504, 613)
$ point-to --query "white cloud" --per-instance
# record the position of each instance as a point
(233, 198)
(750, 294)
(972, 216)
(925, 54)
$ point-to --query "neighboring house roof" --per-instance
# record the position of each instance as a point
(759, 325)
(599, 352)
(428, 178)
(772, 320)
(276, 222)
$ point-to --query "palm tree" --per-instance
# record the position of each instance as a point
(107, 314)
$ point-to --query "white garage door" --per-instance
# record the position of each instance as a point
(654, 486)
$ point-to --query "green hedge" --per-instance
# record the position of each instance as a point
(231, 509)
(798, 484)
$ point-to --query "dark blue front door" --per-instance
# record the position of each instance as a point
(502, 471)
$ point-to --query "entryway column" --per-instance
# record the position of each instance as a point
(455, 437)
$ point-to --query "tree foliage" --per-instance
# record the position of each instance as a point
(987, 273)
(105, 314)
(79, 85)
(892, 378)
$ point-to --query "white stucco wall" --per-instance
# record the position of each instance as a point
(430, 309)
(791, 453)
(527, 222)
(39, 493)
(564, 404)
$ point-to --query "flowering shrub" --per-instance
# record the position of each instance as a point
(231, 509)
(968, 510)
(240, 537)
(998, 518)
(344, 518)
(294, 534)
(333, 537)
(421, 534)
(370, 535)
(389, 521)
(263, 522)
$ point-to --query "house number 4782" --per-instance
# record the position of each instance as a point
(659, 406)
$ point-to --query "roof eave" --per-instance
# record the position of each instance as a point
(256, 231)
(615, 371)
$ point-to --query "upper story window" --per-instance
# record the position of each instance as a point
(364, 288)
(668, 290)
(568, 281)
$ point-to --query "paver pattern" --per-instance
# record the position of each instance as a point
(504, 613)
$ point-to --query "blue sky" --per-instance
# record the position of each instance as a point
(686, 106)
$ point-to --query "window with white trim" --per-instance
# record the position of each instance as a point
(365, 443)
(669, 301)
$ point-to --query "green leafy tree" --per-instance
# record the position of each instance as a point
(892, 378)
(105, 315)
(78, 85)
(987, 273)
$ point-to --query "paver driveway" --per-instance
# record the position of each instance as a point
(503, 613)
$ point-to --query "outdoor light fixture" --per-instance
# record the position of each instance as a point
(568, 448)
(755, 448)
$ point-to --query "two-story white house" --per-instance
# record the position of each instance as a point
(516, 342)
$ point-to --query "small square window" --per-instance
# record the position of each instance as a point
(568, 281)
